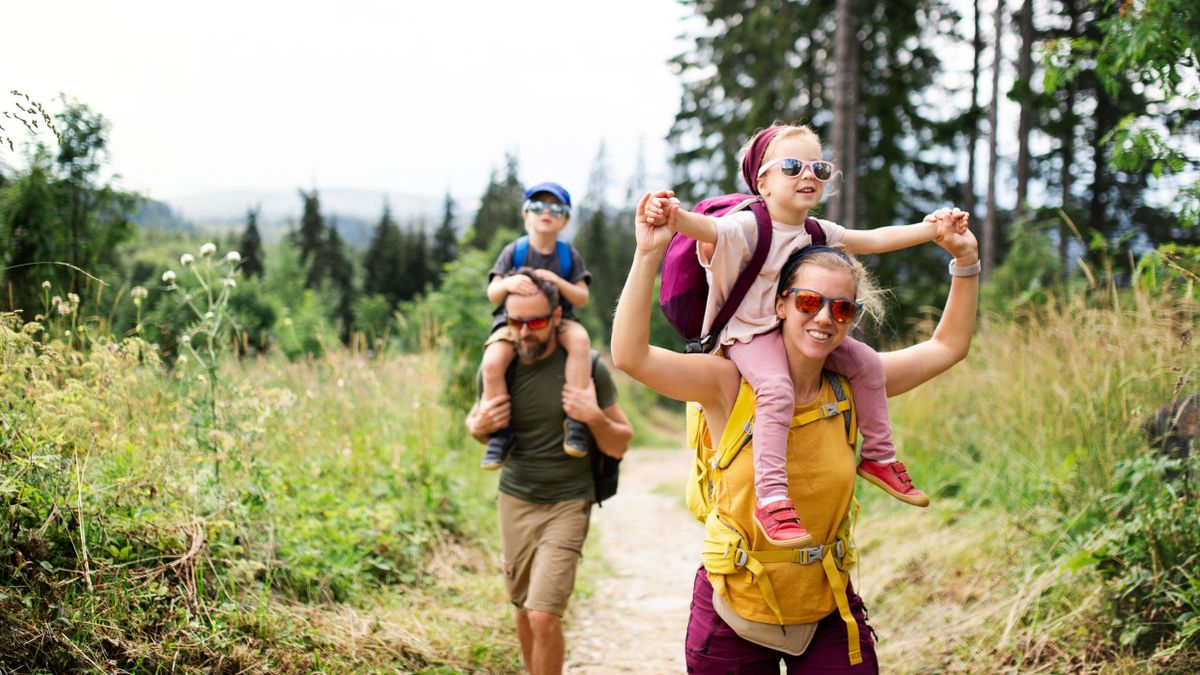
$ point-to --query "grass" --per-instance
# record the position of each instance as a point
(332, 520)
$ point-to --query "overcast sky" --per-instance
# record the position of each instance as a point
(415, 97)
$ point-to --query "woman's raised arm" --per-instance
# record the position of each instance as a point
(951, 341)
(685, 377)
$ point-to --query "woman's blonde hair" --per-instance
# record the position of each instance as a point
(866, 291)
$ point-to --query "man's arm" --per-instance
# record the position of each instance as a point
(488, 416)
(609, 426)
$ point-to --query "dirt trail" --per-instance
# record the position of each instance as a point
(636, 619)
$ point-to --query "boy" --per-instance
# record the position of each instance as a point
(546, 211)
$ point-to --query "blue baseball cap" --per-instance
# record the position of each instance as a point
(553, 188)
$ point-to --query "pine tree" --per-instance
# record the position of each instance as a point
(445, 239)
(500, 206)
(383, 260)
(339, 273)
(251, 246)
(312, 227)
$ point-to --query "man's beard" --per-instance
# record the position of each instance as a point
(532, 349)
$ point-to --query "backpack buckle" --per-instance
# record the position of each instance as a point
(740, 558)
(829, 410)
(838, 549)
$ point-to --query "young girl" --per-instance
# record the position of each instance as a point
(782, 164)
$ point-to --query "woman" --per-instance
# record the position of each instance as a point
(820, 461)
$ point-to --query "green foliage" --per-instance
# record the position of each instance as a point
(1146, 546)
(499, 208)
(338, 487)
(61, 222)
(1171, 268)
(251, 247)
(454, 320)
(445, 239)
(312, 230)
(1030, 272)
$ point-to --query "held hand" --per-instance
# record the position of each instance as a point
(651, 235)
(580, 403)
(492, 415)
(519, 284)
(962, 245)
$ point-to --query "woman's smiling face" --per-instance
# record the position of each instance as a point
(816, 335)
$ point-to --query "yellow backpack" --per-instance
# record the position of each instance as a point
(726, 549)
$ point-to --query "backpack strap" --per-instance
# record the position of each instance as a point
(561, 248)
(748, 274)
(813, 228)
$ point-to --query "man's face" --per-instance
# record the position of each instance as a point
(532, 344)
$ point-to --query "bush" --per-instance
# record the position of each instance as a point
(1146, 545)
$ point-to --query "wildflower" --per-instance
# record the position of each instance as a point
(233, 257)
(138, 292)
(73, 298)
(168, 277)
(229, 282)
(287, 322)
(46, 285)
(65, 308)
(56, 301)
(182, 359)
(186, 259)
(208, 315)
(185, 339)
(208, 249)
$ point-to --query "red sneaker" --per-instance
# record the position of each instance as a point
(893, 478)
(781, 526)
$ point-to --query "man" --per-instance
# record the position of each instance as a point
(546, 495)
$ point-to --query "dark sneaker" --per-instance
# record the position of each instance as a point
(893, 479)
(499, 445)
(576, 438)
(781, 526)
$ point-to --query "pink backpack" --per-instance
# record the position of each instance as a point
(683, 293)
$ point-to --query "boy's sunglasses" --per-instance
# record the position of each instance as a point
(556, 210)
(792, 167)
(810, 302)
(534, 323)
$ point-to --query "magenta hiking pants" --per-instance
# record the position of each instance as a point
(712, 648)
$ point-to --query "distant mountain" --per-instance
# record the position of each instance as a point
(355, 211)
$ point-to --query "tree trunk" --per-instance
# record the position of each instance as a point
(841, 130)
(1025, 122)
(989, 224)
(973, 116)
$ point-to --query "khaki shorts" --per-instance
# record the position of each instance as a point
(504, 333)
(542, 546)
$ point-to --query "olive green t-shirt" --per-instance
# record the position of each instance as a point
(538, 470)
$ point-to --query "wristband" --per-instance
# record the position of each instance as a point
(968, 271)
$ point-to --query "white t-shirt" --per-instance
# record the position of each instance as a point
(737, 235)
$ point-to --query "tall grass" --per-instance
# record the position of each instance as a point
(344, 522)
(1056, 543)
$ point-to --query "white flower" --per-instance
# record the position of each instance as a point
(208, 249)
(138, 292)
(287, 322)
(73, 298)
(186, 259)
(229, 282)
(185, 339)
(233, 257)
(208, 315)
(46, 285)
(65, 308)
(168, 277)
(182, 359)
(56, 300)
